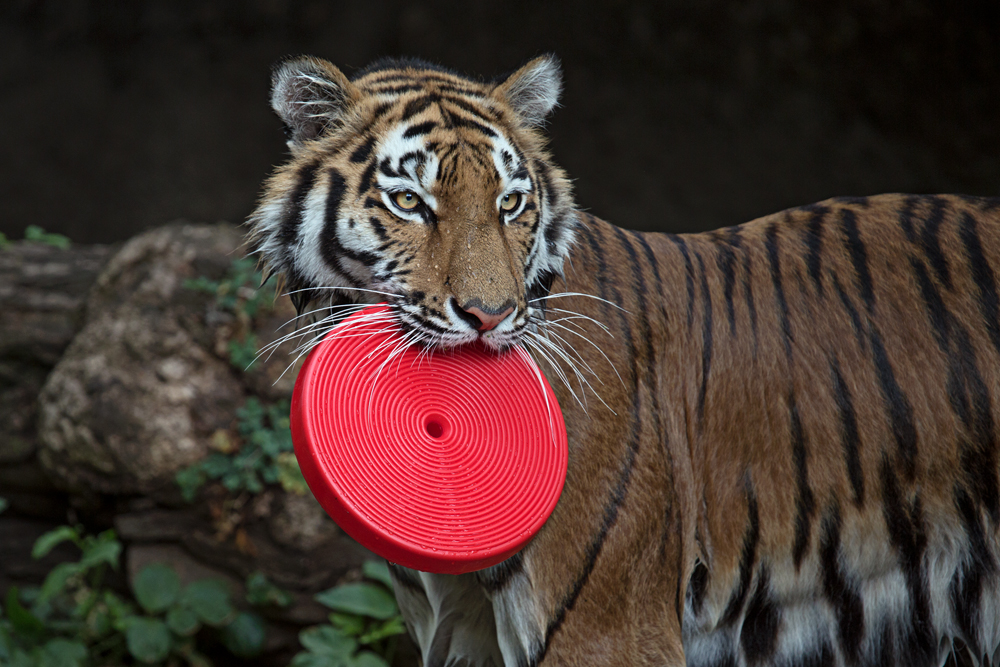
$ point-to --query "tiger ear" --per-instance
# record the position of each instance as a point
(309, 95)
(533, 91)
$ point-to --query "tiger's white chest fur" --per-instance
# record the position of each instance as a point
(457, 621)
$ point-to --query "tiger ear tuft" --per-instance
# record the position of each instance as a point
(309, 95)
(533, 91)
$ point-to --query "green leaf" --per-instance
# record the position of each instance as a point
(360, 598)
(3, 501)
(37, 234)
(63, 653)
(156, 587)
(120, 610)
(394, 626)
(260, 591)
(49, 541)
(55, 580)
(4, 241)
(327, 640)
(105, 549)
(244, 637)
(24, 622)
(367, 659)
(22, 659)
(189, 480)
(148, 639)
(379, 571)
(183, 621)
(99, 621)
(217, 465)
(290, 475)
(209, 599)
(314, 660)
(350, 624)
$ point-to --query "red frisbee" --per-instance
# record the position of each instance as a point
(444, 462)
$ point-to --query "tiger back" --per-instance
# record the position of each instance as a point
(782, 434)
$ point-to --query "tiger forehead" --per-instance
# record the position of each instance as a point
(411, 80)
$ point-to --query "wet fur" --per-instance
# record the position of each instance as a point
(795, 460)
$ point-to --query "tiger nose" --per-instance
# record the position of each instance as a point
(484, 319)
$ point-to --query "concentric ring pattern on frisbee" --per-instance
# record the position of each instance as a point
(446, 461)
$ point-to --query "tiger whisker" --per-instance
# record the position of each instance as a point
(524, 354)
(556, 367)
(556, 323)
(589, 296)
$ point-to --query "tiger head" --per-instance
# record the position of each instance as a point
(413, 185)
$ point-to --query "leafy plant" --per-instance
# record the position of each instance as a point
(261, 592)
(363, 628)
(265, 455)
(39, 235)
(73, 620)
(237, 293)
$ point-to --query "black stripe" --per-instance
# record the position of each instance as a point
(396, 90)
(378, 228)
(468, 123)
(748, 293)
(727, 242)
(968, 395)
(688, 275)
(897, 404)
(805, 504)
(419, 129)
(617, 496)
(367, 178)
(305, 179)
(362, 152)
(734, 608)
(697, 587)
(771, 243)
(814, 244)
(842, 595)
(850, 438)
(497, 577)
(906, 218)
(908, 536)
(415, 106)
(970, 577)
(706, 341)
(852, 312)
(654, 263)
(930, 242)
(759, 635)
(330, 247)
(859, 257)
(983, 276)
(469, 108)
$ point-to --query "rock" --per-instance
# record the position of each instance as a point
(187, 568)
(138, 393)
(301, 523)
(42, 295)
(155, 525)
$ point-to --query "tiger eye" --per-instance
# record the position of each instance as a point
(510, 202)
(406, 200)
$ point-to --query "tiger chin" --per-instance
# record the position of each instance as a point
(783, 434)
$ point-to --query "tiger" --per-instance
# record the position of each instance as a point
(782, 434)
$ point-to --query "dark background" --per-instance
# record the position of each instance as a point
(683, 115)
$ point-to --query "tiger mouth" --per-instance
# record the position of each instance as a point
(424, 330)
